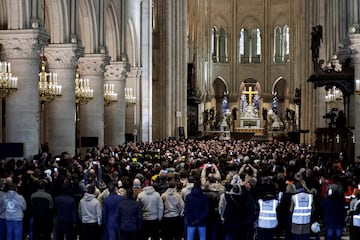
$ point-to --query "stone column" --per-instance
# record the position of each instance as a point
(146, 88)
(91, 120)
(355, 46)
(133, 123)
(115, 114)
(22, 50)
(61, 112)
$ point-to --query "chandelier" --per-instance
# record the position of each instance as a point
(110, 96)
(130, 97)
(49, 89)
(83, 92)
(8, 83)
(333, 94)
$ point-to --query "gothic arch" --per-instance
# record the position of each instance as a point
(132, 43)
(88, 27)
(220, 88)
(112, 33)
(280, 88)
(58, 24)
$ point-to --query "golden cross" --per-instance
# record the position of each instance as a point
(250, 92)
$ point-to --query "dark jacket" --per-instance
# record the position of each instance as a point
(333, 211)
(110, 205)
(196, 207)
(65, 209)
(129, 215)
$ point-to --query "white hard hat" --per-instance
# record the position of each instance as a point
(315, 227)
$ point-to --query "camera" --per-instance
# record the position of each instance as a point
(57, 159)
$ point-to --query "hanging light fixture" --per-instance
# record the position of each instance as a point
(8, 83)
(49, 89)
(130, 97)
(83, 92)
(110, 96)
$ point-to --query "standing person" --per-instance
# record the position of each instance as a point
(2, 210)
(109, 213)
(267, 220)
(14, 205)
(153, 209)
(196, 212)
(301, 208)
(173, 208)
(90, 215)
(334, 212)
(42, 208)
(129, 217)
(65, 214)
(284, 213)
(355, 215)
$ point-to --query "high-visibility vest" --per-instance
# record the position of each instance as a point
(267, 214)
(302, 208)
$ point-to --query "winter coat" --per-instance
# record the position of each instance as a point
(196, 207)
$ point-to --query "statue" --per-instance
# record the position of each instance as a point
(264, 114)
(277, 124)
(212, 113)
(243, 102)
(206, 115)
(316, 39)
(234, 113)
(250, 112)
(275, 104)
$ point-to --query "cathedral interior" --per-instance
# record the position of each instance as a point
(80, 73)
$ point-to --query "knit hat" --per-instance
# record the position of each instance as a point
(136, 183)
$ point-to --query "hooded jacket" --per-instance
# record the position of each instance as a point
(14, 205)
(151, 204)
(196, 207)
(90, 209)
(173, 203)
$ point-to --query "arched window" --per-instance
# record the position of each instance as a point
(281, 44)
(214, 42)
(223, 46)
(286, 38)
(256, 45)
(244, 46)
(277, 45)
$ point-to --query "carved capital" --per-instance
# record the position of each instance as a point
(116, 71)
(134, 73)
(22, 43)
(355, 47)
(63, 55)
(93, 64)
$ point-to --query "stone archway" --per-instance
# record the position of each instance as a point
(220, 89)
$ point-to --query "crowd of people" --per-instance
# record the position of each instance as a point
(181, 189)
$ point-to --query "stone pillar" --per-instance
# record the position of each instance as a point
(355, 46)
(133, 122)
(115, 114)
(146, 87)
(22, 50)
(61, 112)
(91, 120)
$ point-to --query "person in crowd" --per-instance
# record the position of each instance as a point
(2, 210)
(90, 215)
(268, 217)
(196, 211)
(65, 214)
(284, 213)
(173, 209)
(334, 212)
(230, 209)
(355, 217)
(129, 217)
(42, 208)
(153, 210)
(110, 204)
(14, 205)
(301, 208)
